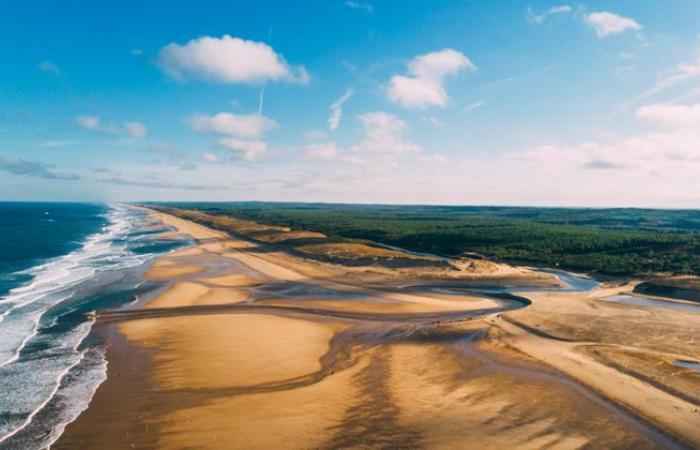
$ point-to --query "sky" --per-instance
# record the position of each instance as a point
(355, 101)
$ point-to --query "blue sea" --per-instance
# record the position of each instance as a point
(59, 263)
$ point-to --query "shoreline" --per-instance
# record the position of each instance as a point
(51, 362)
(358, 328)
(105, 420)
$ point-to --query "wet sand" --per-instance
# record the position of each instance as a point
(250, 347)
(624, 352)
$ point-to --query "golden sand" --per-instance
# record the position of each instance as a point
(262, 348)
(296, 418)
(235, 280)
(453, 401)
(170, 272)
(306, 376)
(588, 323)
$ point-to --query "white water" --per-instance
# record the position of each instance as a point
(46, 376)
(23, 307)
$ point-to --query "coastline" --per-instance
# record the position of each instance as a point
(115, 413)
(385, 374)
(51, 363)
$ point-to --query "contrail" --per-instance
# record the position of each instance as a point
(262, 97)
(269, 42)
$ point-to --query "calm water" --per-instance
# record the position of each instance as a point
(58, 262)
(688, 365)
(654, 303)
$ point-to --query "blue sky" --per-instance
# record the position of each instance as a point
(455, 102)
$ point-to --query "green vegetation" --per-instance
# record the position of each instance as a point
(612, 241)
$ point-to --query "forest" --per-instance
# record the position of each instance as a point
(615, 241)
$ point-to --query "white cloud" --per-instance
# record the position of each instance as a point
(227, 60)
(249, 149)
(134, 130)
(682, 73)
(669, 151)
(473, 106)
(538, 19)
(436, 65)
(49, 67)
(314, 135)
(243, 131)
(89, 122)
(210, 157)
(337, 109)
(239, 125)
(432, 120)
(670, 115)
(359, 5)
(606, 23)
(626, 56)
(384, 133)
(550, 156)
(424, 85)
(330, 151)
(432, 159)
(416, 93)
(323, 151)
(381, 146)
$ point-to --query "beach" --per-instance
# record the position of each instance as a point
(250, 346)
(60, 263)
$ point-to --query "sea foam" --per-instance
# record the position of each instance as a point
(48, 374)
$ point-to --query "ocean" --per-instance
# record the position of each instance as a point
(59, 263)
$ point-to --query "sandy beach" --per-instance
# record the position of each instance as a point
(249, 346)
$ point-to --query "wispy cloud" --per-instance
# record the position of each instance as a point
(49, 67)
(21, 167)
(359, 5)
(337, 109)
(210, 157)
(57, 143)
(681, 74)
(538, 19)
(134, 130)
(160, 184)
(473, 106)
(503, 82)
(432, 120)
